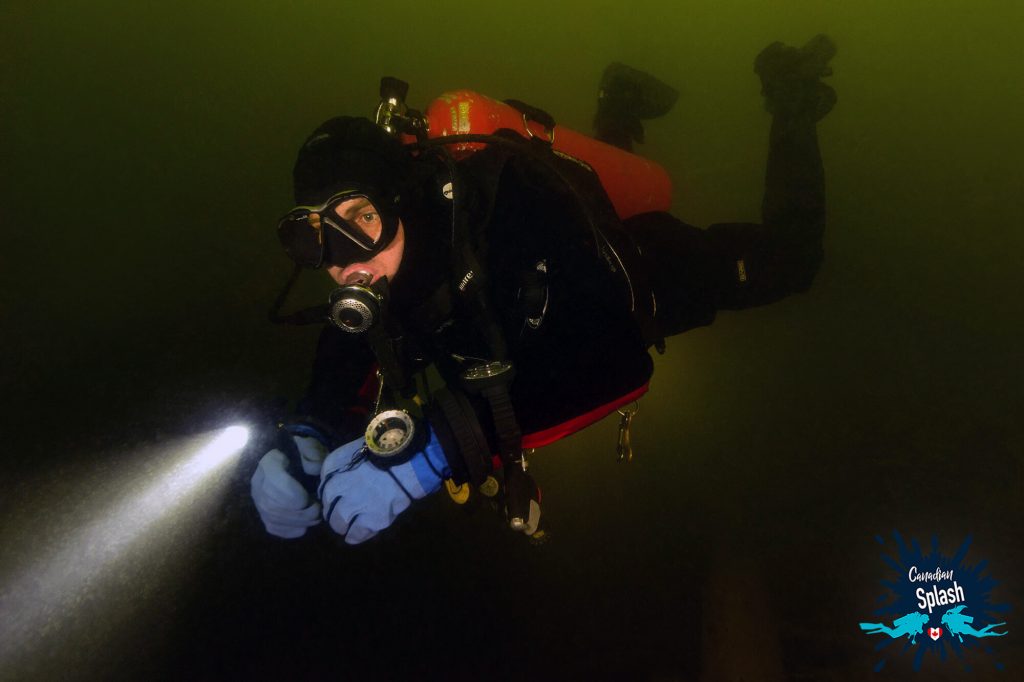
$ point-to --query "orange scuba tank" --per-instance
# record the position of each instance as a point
(634, 184)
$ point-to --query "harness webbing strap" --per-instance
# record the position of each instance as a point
(510, 437)
(464, 429)
(471, 286)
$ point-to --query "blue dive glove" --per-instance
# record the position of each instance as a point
(361, 499)
(284, 505)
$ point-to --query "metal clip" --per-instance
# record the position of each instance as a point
(380, 393)
(625, 446)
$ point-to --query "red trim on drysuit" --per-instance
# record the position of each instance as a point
(539, 439)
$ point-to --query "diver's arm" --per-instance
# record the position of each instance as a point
(341, 367)
(284, 484)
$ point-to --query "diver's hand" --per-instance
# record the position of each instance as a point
(285, 507)
(311, 453)
(361, 499)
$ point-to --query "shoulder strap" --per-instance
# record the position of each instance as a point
(470, 246)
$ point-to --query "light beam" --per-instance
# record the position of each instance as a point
(38, 600)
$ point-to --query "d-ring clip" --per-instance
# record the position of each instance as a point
(624, 449)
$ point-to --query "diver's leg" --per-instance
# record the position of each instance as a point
(730, 266)
(625, 97)
(794, 195)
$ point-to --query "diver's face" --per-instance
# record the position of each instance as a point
(359, 213)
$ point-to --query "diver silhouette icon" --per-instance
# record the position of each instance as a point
(959, 624)
(909, 626)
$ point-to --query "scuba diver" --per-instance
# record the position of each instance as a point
(508, 272)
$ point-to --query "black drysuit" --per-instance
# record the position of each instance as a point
(581, 346)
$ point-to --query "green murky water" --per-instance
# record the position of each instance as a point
(146, 152)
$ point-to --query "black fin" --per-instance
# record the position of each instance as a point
(625, 97)
(789, 78)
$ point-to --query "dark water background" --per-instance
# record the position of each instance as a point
(145, 155)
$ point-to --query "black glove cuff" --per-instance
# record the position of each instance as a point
(311, 427)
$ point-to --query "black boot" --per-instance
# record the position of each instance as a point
(625, 97)
(789, 78)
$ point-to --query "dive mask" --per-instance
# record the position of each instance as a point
(347, 228)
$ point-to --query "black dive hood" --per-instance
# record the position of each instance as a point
(346, 151)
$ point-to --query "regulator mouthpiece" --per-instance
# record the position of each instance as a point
(357, 306)
(359, 277)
